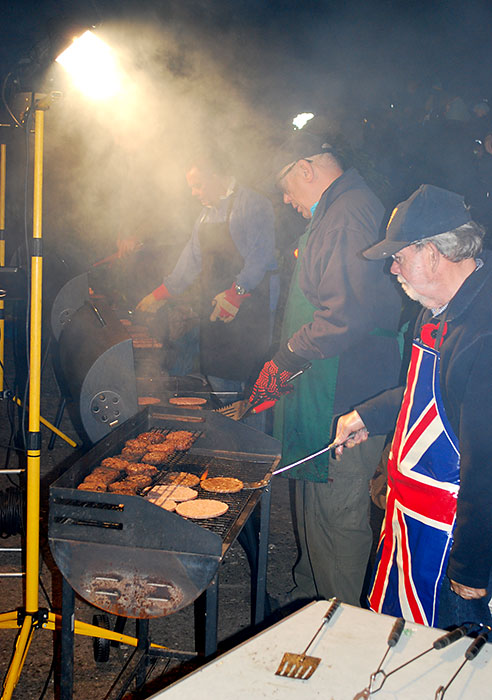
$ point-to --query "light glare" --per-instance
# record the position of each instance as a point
(92, 66)
(302, 119)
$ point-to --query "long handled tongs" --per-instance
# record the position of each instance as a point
(379, 678)
(393, 638)
(470, 654)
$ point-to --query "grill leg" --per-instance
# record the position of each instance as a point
(142, 644)
(261, 569)
(67, 641)
(206, 619)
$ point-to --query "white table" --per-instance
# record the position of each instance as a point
(351, 646)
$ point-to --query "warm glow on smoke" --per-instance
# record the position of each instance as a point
(92, 66)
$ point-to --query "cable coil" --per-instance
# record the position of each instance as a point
(11, 512)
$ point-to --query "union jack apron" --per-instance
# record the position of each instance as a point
(423, 485)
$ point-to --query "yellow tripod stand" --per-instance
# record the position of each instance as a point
(31, 617)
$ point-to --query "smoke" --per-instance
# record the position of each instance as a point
(117, 169)
(230, 75)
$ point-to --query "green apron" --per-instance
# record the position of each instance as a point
(302, 419)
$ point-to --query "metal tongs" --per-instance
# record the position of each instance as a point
(379, 678)
(393, 638)
(470, 654)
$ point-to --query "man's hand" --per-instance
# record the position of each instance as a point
(272, 383)
(226, 305)
(351, 431)
(150, 304)
(467, 592)
(153, 301)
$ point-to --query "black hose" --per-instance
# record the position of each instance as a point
(11, 512)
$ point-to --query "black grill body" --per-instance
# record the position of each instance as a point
(96, 365)
(129, 556)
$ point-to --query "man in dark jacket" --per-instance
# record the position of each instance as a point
(435, 554)
(342, 317)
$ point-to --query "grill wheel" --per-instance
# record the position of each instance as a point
(100, 645)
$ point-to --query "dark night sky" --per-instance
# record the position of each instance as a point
(288, 49)
(238, 69)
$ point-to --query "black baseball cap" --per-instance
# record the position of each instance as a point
(427, 212)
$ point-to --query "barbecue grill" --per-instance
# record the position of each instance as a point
(129, 557)
(94, 364)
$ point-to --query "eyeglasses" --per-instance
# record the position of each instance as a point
(287, 170)
(397, 258)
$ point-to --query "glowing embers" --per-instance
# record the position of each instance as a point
(92, 66)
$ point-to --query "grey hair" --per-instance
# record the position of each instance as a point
(459, 244)
(326, 157)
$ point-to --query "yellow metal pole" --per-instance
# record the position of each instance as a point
(34, 437)
(3, 173)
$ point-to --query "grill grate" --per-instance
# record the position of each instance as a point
(107, 535)
(199, 465)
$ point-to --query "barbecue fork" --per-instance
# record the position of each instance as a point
(299, 665)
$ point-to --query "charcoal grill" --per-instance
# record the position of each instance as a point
(129, 557)
(94, 364)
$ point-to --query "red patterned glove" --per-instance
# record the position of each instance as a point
(226, 305)
(272, 383)
(273, 380)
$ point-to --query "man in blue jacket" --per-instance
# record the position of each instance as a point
(232, 252)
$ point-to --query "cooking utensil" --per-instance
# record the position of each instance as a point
(393, 638)
(240, 409)
(300, 665)
(441, 642)
(470, 654)
(264, 482)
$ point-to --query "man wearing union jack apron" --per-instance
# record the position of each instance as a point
(434, 558)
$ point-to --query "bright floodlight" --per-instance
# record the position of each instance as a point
(302, 119)
(92, 66)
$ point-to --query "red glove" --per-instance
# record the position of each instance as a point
(272, 383)
(153, 301)
(227, 305)
(273, 380)
(161, 292)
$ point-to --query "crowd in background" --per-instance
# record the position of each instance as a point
(432, 135)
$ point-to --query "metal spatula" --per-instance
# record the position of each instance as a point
(300, 665)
